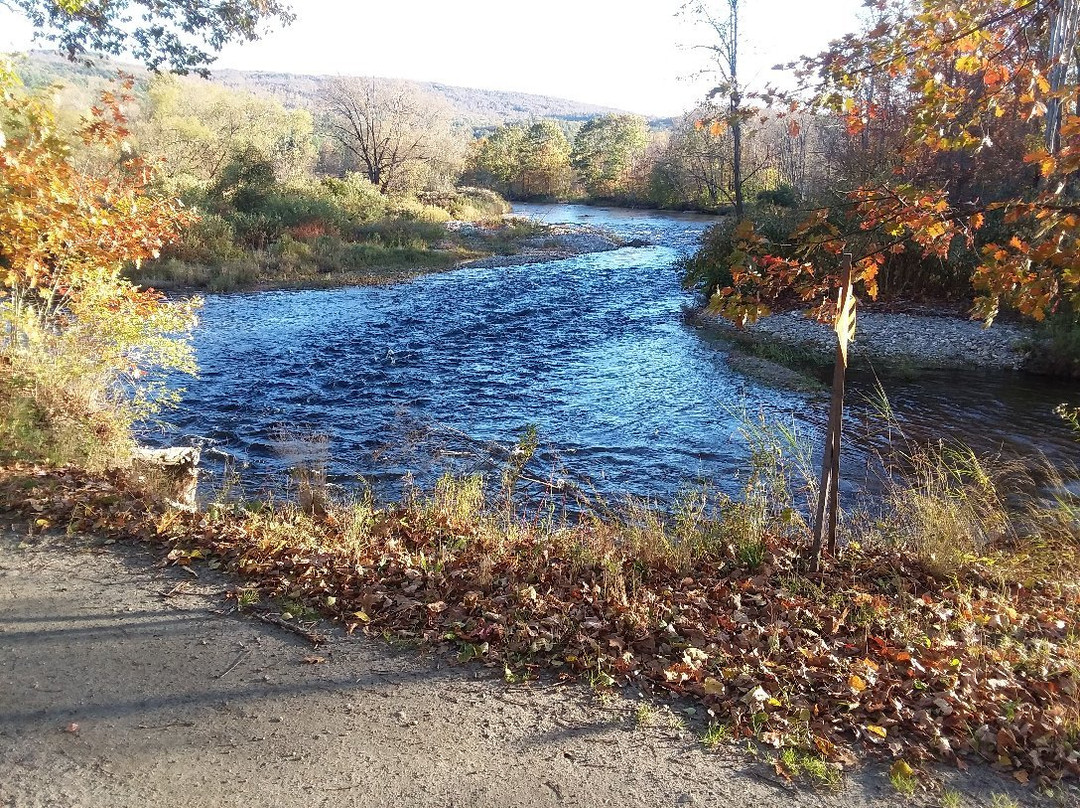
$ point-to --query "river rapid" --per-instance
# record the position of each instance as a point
(388, 385)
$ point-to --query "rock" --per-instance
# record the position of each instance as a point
(178, 468)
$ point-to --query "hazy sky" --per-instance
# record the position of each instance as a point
(635, 55)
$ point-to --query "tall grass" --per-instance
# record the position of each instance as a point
(42, 422)
(317, 233)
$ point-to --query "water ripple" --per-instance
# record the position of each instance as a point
(590, 349)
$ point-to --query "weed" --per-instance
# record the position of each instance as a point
(295, 609)
(797, 763)
(998, 800)
(750, 553)
(600, 680)
(644, 716)
(520, 456)
(819, 770)
(952, 799)
(903, 780)
(510, 677)
(715, 735)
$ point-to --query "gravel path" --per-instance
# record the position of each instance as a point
(922, 340)
(125, 683)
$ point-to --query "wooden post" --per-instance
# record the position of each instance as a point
(828, 505)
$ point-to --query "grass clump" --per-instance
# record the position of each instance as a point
(952, 799)
(903, 778)
(715, 736)
(799, 763)
(644, 716)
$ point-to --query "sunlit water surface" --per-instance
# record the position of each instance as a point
(394, 383)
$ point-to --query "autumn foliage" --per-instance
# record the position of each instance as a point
(75, 209)
(964, 111)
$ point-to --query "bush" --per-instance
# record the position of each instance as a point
(402, 233)
(42, 423)
(709, 269)
(467, 204)
(906, 275)
(209, 241)
(1055, 347)
(783, 196)
(356, 197)
(412, 209)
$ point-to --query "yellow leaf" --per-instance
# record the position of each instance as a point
(968, 64)
(714, 687)
(874, 729)
(857, 683)
(901, 769)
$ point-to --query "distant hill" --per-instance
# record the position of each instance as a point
(474, 107)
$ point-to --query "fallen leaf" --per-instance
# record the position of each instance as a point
(901, 768)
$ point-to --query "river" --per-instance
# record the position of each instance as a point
(390, 384)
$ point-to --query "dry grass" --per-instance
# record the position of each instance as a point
(43, 419)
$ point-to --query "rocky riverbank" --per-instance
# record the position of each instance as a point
(908, 341)
(550, 243)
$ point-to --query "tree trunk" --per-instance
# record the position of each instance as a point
(1063, 30)
(736, 111)
(740, 205)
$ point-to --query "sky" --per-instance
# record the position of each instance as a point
(636, 55)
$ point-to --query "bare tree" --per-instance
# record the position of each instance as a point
(388, 128)
(724, 51)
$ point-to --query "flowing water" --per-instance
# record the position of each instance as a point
(391, 383)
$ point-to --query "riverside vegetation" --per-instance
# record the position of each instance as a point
(945, 629)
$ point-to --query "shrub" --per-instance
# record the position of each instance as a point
(467, 204)
(356, 197)
(908, 275)
(210, 241)
(1055, 347)
(709, 269)
(85, 353)
(412, 209)
(783, 196)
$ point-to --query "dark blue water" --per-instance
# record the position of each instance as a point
(387, 384)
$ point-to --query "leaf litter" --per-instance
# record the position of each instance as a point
(873, 654)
